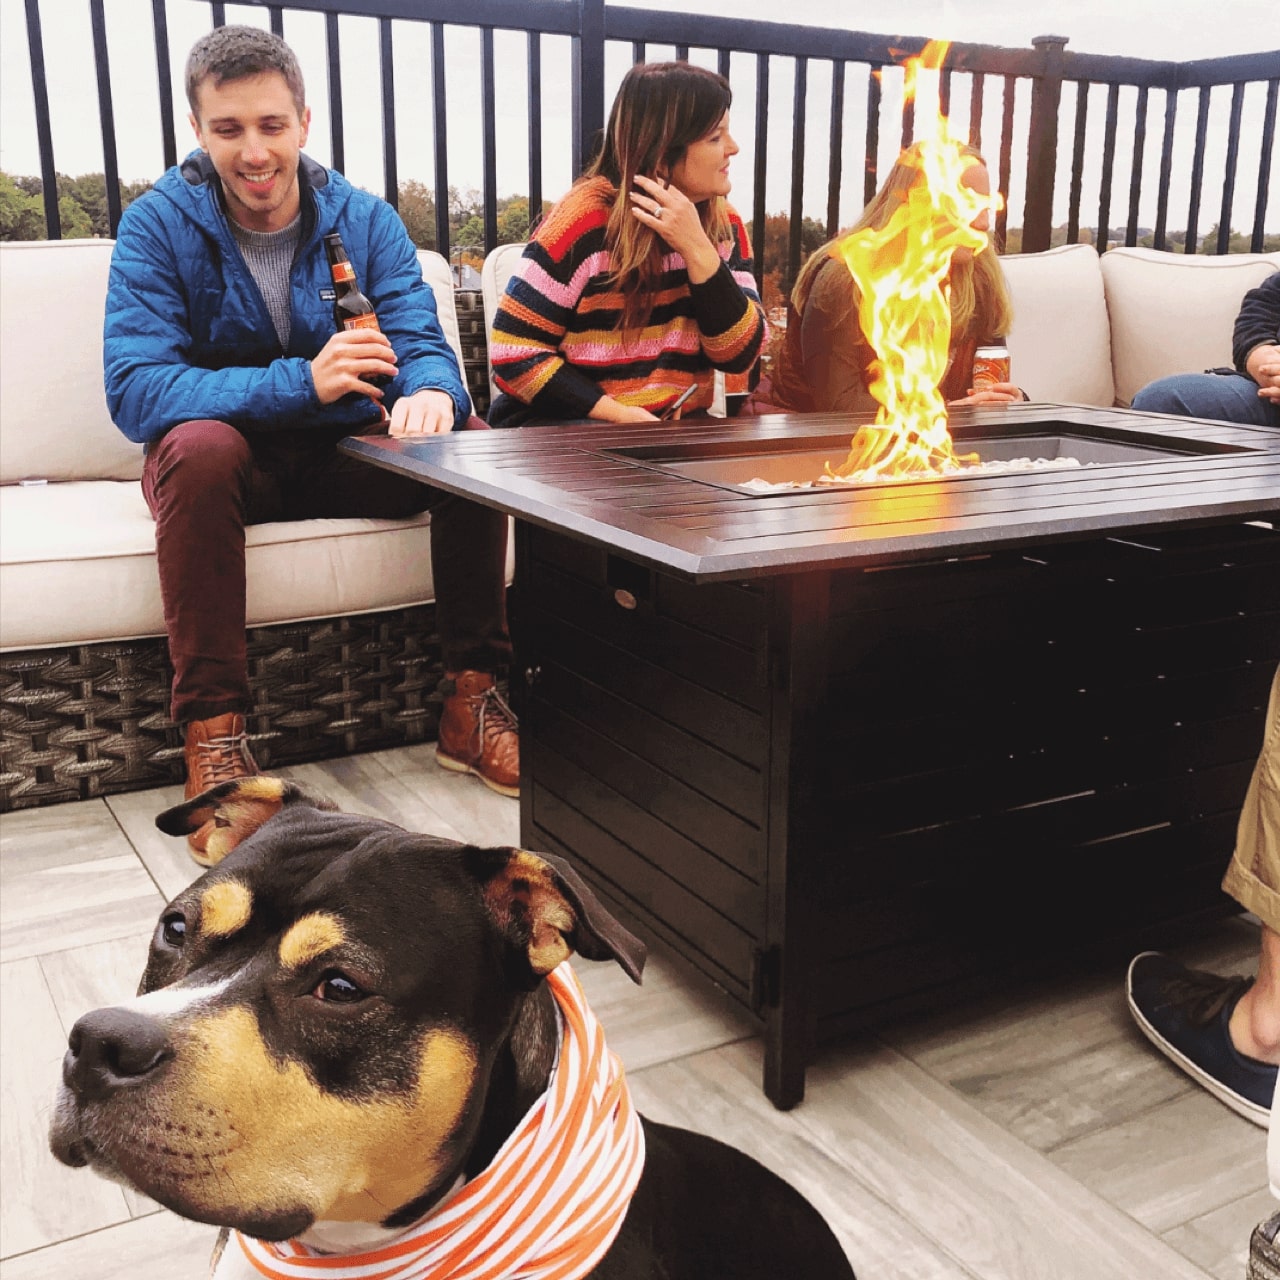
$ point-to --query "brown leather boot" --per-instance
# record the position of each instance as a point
(478, 732)
(216, 751)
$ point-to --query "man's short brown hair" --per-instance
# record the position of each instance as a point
(235, 53)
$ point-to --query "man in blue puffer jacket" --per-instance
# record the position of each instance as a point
(221, 358)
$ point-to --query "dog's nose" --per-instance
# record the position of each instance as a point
(109, 1049)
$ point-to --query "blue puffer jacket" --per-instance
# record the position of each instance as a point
(188, 335)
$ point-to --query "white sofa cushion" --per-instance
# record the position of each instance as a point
(499, 266)
(438, 274)
(1060, 347)
(1174, 312)
(53, 409)
(78, 565)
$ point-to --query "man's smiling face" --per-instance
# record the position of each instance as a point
(254, 136)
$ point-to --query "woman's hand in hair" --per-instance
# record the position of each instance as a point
(675, 218)
(994, 393)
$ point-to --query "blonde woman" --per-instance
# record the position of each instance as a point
(637, 286)
(825, 362)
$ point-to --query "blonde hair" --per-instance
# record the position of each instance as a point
(979, 294)
(661, 108)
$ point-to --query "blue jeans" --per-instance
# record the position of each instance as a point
(1227, 397)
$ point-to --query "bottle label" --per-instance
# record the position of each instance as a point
(366, 321)
(990, 365)
(343, 272)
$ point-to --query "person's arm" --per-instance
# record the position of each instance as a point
(151, 383)
(836, 357)
(726, 306)
(1256, 337)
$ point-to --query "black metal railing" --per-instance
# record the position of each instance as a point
(1037, 108)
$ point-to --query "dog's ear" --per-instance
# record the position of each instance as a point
(545, 910)
(233, 811)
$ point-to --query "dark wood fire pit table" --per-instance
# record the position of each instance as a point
(852, 750)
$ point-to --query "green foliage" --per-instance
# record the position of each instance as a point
(82, 206)
(470, 235)
(513, 220)
(466, 219)
(76, 223)
(1237, 241)
(21, 213)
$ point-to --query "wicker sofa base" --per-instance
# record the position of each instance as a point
(93, 720)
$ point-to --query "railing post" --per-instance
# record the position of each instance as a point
(44, 134)
(588, 82)
(1042, 146)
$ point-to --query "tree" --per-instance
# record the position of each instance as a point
(1237, 241)
(777, 244)
(89, 193)
(513, 220)
(76, 223)
(82, 205)
(418, 213)
(468, 234)
(771, 289)
(21, 213)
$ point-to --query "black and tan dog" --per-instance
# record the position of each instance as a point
(345, 1028)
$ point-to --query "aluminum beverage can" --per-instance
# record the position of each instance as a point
(990, 365)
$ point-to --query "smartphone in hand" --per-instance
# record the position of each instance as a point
(678, 403)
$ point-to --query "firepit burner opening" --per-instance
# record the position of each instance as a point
(801, 461)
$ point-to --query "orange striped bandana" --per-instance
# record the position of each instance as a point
(549, 1205)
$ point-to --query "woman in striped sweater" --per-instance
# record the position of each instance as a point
(638, 284)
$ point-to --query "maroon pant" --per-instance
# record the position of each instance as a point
(204, 482)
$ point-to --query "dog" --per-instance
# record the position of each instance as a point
(354, 1040)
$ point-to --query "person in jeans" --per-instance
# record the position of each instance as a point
(1248, 394)
(221, 358)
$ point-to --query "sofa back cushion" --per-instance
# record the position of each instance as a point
(438, 274)
(1060, 346)
(499, 266)
(54, 422)
(1174, 312)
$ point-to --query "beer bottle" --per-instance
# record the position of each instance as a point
(351, 309)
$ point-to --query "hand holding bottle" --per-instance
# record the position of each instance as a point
(347, 360)
(352, 313)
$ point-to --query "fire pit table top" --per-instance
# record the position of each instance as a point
(612, 485)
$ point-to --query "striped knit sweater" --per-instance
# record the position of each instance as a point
(556, 343)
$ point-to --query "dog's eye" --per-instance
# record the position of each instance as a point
(173, 929)
(338, 988)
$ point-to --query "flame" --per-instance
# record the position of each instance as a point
(904, 305)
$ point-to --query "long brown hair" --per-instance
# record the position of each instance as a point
(979, 294)
(661, 108)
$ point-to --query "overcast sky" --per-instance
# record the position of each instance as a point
(1163, 29)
